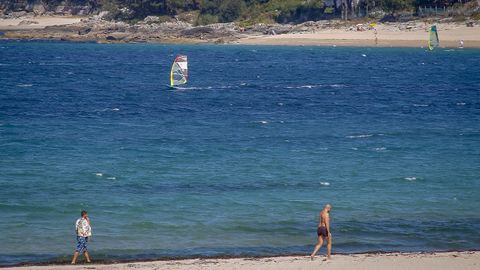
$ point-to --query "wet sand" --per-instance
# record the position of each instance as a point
(392, 261)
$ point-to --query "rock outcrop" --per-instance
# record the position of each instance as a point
(41, 7)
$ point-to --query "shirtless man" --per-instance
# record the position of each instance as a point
(323, 232)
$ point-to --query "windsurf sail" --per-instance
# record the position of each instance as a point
(433, 41)
(179, 72)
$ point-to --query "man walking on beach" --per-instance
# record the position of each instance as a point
(83, 231)
(323, 232)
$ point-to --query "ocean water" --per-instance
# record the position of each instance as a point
(241, 160)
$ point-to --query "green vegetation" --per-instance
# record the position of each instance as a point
(393, 6)
(249, 12)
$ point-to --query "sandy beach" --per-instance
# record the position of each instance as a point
(40, 22)
(408, 34)
(389, 35)
(424, 261)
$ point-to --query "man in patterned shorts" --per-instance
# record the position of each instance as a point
(83, 231)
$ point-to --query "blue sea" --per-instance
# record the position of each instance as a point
(240, 161)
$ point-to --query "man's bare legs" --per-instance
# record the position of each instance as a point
(317, 247)
(75, 257)
(329, 247)
(87, 256)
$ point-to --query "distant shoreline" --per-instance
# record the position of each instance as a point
(361, 44)
(320, 33)
(279, 42)
(374, 260)
(411, 34)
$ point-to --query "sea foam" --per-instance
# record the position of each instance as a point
(359, 136)
(24, 85)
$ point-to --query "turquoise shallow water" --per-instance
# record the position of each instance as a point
(241, 160)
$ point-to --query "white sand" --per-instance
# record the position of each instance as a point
(392, 261)
(388, 35)
(37, 22)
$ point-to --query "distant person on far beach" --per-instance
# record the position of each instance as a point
(83, 231)
(323, 232)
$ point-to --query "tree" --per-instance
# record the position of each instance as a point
(225, 10)
(230, 10)
(393, 6)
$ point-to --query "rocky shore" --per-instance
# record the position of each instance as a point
(151, 29)
(155, 29)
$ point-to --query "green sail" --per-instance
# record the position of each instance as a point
(433, 41)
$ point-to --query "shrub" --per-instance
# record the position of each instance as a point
(204, 19)
(230, 10)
